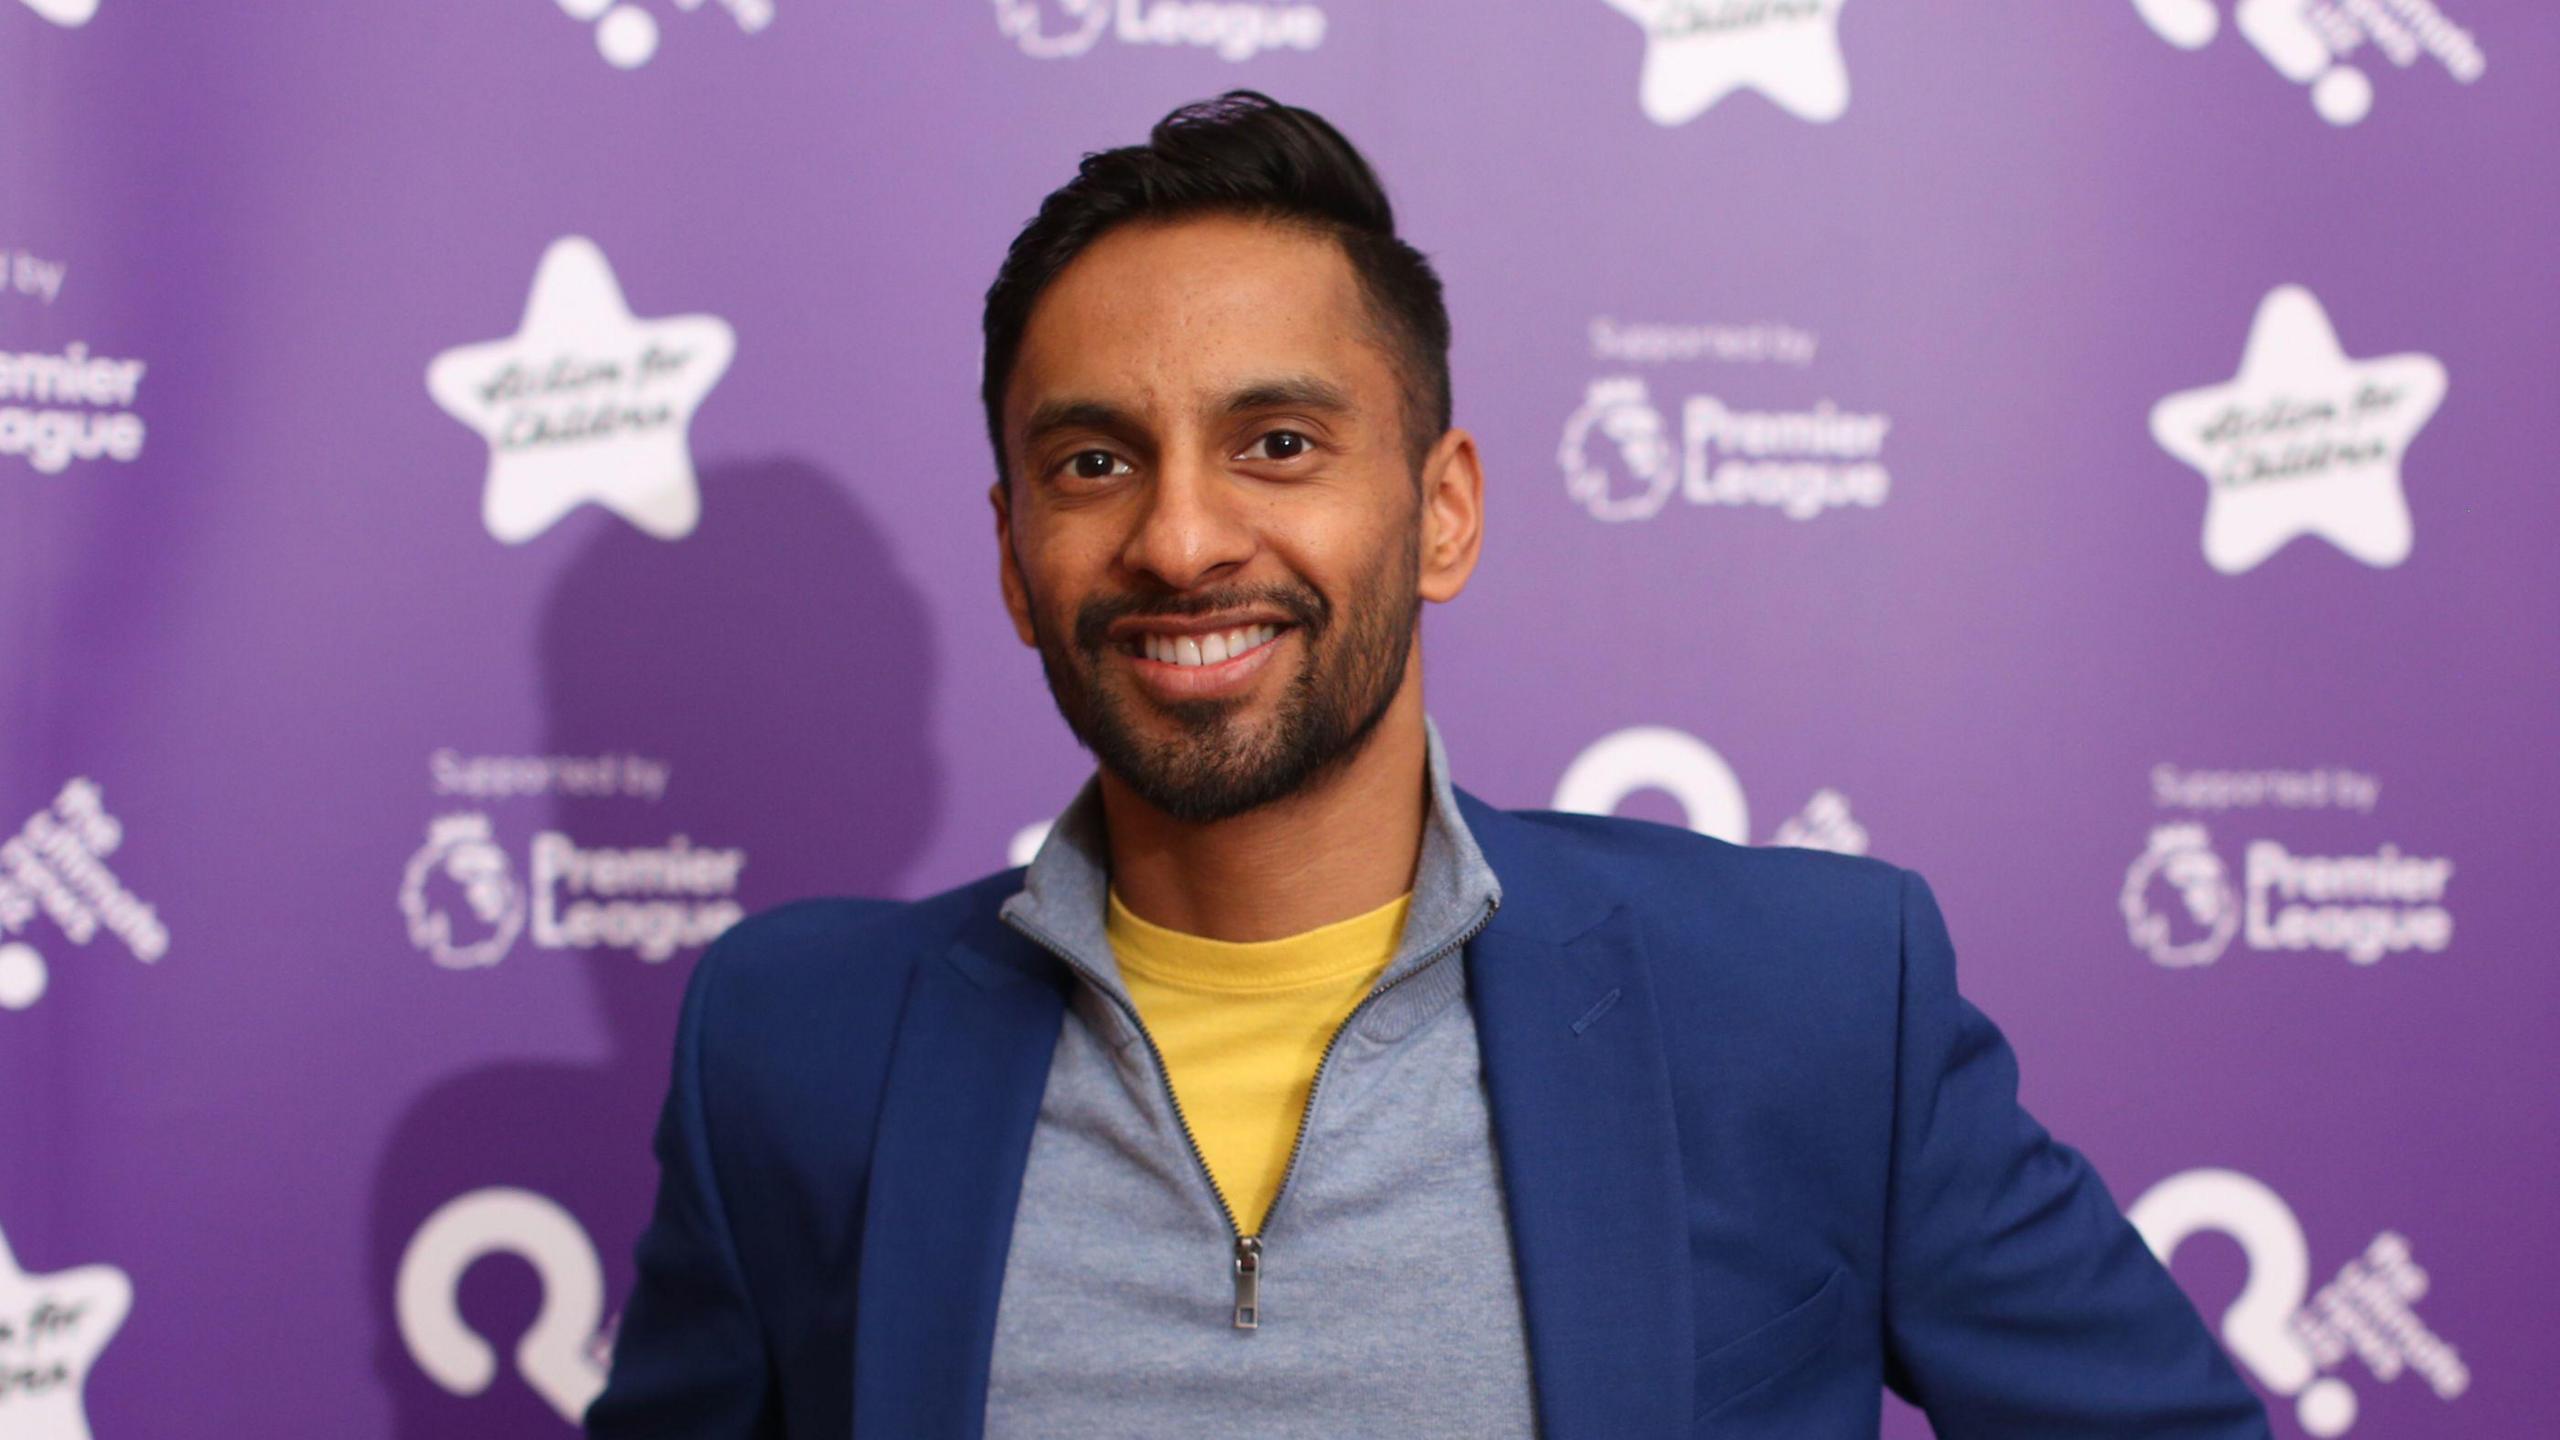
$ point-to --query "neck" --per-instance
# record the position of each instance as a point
(1342, 846)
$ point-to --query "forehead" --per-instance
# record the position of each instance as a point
(1163, 316)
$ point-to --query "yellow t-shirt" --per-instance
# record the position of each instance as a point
(1242, 1027)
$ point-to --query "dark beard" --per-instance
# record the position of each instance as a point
(1212, 772)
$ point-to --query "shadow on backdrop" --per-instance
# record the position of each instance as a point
(780, 663)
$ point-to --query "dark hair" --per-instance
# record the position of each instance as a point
(1243, 154)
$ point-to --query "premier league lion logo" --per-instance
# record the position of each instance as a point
(2179, 907)
(1071, 30)
(460, 895)
(1623, 413)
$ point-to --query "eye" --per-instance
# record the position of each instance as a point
(1279, 445)
(1095, 465)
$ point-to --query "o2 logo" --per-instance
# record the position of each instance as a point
(562, 1357)
(69, 14)
(1026, 842)
(1657, 757)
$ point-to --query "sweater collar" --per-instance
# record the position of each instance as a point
(1064, 894)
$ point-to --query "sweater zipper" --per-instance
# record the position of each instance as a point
(1246, 1261)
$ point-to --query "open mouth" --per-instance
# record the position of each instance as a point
(1210, 647)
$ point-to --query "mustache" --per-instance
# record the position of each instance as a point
(1094, 619)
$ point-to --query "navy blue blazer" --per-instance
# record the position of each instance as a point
(1760, 1159)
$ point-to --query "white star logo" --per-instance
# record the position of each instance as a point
(51, 1330)
(1699, 51)
(2303, 441)
(585, 402)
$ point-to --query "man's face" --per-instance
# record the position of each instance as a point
(1213, 531)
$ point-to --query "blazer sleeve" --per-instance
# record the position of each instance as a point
(2018, 1301)
(689, 1357)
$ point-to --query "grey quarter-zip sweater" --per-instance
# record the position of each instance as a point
(1379, 1297)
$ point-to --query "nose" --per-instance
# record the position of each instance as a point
(1192, 528)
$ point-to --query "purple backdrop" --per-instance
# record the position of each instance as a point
(488, 492)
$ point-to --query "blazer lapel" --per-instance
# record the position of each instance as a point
(1591, 1167)
(962, 1095)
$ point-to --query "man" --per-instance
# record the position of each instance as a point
(1292, 1091)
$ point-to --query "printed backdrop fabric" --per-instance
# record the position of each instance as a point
(491, 493)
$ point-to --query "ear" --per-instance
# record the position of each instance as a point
(1017, 596)
(1452, 516)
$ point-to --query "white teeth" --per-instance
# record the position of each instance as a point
(1206, 649)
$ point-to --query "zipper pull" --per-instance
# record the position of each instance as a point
(1248, 1282)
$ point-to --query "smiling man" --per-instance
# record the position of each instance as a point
(1291, 1090)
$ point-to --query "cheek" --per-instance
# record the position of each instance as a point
(1349, 555)
(1058, 581)
(1051, 564)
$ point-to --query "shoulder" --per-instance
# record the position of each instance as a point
(794, 1010)
(825, 952)
(1665, 868)
(1779, 941)
(1778, 971)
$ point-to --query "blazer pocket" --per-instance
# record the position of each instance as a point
(1771, 1350)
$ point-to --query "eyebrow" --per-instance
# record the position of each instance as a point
(1290, 392)
(1051, 416)
(1286, 392)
